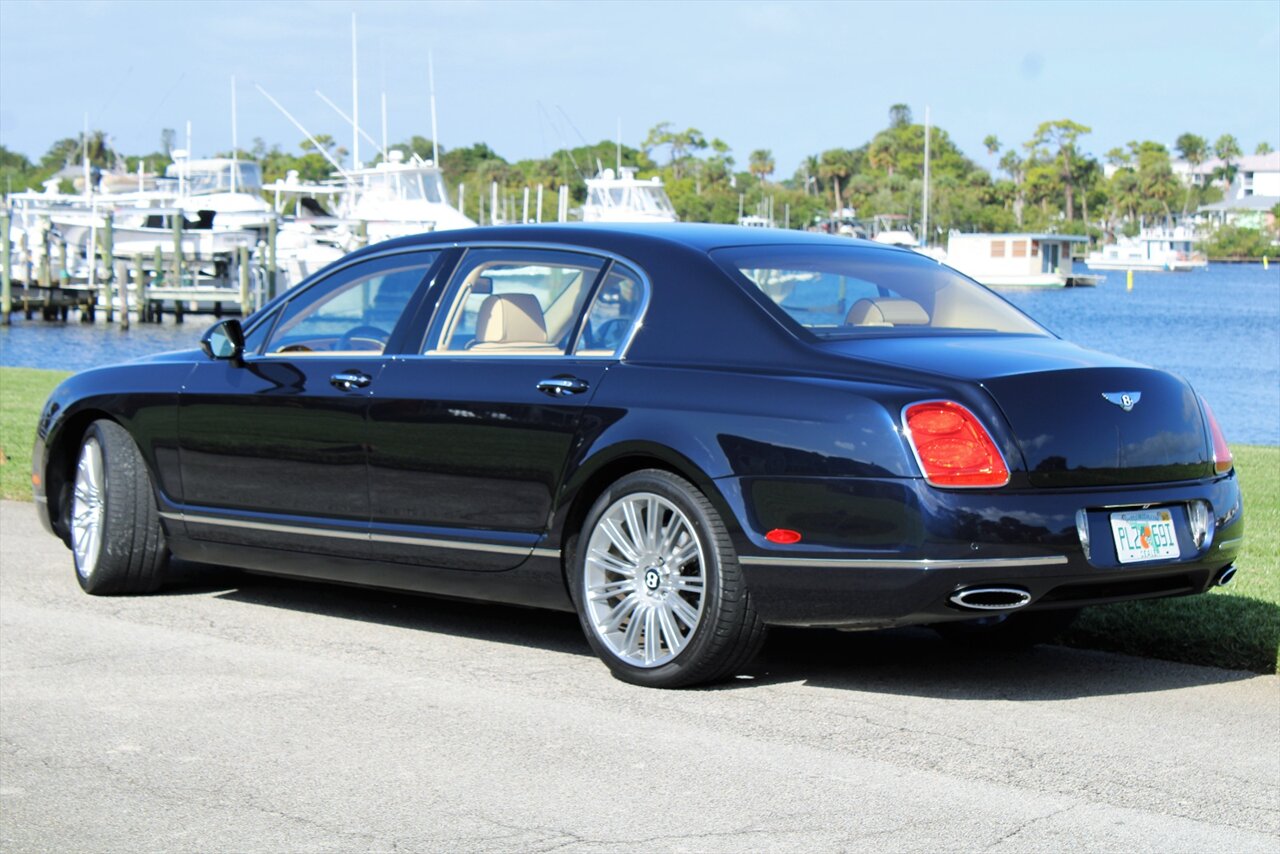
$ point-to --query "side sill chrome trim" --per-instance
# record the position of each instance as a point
(1227, 544)
(878, 563)
(40, 499)
(426, 542)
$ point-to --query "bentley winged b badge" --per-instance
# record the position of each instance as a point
(1126, 400)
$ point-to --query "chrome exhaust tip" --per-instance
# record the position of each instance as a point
(1226, 575)
(990, 598)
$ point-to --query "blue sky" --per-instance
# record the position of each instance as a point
(793, 77)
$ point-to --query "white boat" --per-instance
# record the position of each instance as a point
(231, 189)
(1153, 250)
(622, 197)
(1017, 260)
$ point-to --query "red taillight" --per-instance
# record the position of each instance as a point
(952, 446)
(1223, 459)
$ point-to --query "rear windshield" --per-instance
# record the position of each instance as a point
(839, 291)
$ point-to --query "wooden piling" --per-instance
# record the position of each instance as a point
(177, 250)
(112, 283)
(271, 259)
(6, 266)
(242, 266)
(140, 287)
(121, 278)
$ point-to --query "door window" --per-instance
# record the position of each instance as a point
(354, 314)
(514, 302)
(614, 313)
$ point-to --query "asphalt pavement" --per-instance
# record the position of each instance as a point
(234, 712)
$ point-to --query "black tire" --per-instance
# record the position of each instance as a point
(727, 632)
(129, 554)
(1010, 631)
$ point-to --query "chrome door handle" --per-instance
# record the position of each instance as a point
(562, 386)
(348, 380)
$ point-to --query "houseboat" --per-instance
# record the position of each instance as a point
(1153, 250)
(1017, 260)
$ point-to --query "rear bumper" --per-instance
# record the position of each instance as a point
(927, 544)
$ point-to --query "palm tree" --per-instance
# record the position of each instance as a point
(760, 163)
(1228, 150)
(991, 143)
(1193, 149)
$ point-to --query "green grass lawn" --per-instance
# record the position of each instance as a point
(22, 393)
(1237, 626)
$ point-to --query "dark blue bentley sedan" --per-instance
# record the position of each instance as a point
(685, 433)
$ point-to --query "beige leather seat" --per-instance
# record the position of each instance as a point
(511, 323)
(886, 311)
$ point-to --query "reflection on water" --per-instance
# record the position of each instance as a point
(1220, 328)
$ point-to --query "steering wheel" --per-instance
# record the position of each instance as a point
(366, 335)
(608, 335)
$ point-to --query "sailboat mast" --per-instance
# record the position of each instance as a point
(924, 224)
(435, 136)
(355, 97)
(235, 157)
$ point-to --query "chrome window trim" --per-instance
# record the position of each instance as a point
(894, 563)
(367, 536)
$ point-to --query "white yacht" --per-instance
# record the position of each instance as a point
(623, 197)
(1153, 250)
(397, 198)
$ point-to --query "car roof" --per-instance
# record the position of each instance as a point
(623, 236)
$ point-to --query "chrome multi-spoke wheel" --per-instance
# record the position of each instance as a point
(644, 579)
(88, 507)
(657, 584)
(112, 518)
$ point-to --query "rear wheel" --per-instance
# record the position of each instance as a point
(116, 538)
(658, 587)
(1010, 630)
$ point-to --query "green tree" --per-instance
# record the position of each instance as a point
(681, 145)
(1193, 149)
(991, 143)
(1062, 135)
(1228, 151)
(899, 116)
(760, 163)
(1263, 147)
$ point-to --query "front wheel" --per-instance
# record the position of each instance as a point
(658, 587)
(116, 538)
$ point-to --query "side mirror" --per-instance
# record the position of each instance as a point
(224, 340)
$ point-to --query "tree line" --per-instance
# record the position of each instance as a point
(1048, 182)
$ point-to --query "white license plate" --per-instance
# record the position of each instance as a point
(1142, 535)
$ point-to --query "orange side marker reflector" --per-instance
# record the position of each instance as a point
(783, 536)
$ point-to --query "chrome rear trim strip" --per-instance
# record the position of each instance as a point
(879, 563)
(395, 539)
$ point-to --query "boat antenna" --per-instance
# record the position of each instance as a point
(435, 135)
(563, 142)
(572, 125)
(347, 118)
(320, 148)
(924, 222)
(235, 161)
(355, 97)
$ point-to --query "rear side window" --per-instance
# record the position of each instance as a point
(614, 313)
(837, 291)
(514, 302)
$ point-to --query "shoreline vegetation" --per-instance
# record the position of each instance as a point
(1048, 182)
(1235, 627)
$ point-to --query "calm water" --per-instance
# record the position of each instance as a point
(1220, 328)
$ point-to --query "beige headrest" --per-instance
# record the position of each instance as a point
(886, 311)
(510, 319)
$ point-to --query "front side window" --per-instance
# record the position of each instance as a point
(837, 291)
(353, 316)
(614, 313)
(516, 302)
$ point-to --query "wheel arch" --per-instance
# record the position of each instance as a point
(595, 475)
(62, 451)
